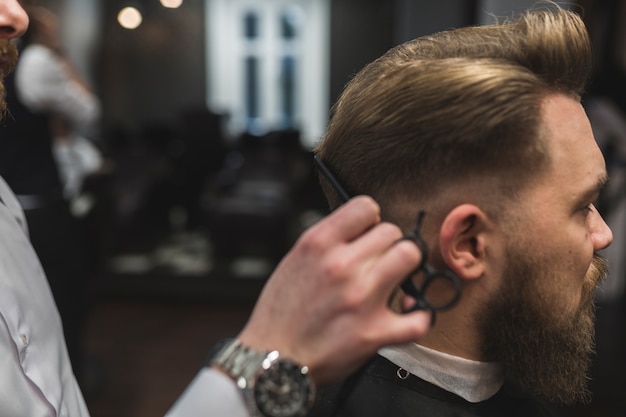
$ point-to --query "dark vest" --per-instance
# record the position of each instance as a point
(26, 160)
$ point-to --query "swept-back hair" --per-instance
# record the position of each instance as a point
(457, 107)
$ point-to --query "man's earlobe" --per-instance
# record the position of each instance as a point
(462, 241)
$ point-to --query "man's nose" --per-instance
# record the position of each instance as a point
(600, 232)
(13, 19)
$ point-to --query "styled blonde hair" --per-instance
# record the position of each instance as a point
(457, 107)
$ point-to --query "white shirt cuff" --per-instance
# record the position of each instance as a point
(211, 393)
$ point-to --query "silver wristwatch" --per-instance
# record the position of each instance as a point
(272, 386)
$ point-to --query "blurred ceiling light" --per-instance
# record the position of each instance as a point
(129, 18)
(171, 4)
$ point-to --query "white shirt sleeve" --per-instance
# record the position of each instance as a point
(212, 394)
(36, 377)
(44, 85)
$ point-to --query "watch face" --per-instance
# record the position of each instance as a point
(283, 390)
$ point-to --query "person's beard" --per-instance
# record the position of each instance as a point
(8, 59)
(547, 354)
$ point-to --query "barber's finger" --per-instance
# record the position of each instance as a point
(351, 219)
(374, 242)
(407, 303)
(405, 328)
(396, 263)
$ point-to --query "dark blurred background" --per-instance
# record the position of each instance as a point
(210, 111)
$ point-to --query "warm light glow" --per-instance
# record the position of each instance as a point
(129, 18)
(171, 4)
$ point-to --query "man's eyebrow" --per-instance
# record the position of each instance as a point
(601, 183)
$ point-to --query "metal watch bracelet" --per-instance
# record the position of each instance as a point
(248, 367)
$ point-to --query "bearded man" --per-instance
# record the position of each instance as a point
(483, 129)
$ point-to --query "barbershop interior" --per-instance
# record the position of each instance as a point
(198, 175)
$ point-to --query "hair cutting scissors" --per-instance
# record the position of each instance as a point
(449, 285)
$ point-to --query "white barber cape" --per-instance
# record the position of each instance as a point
(36, 378)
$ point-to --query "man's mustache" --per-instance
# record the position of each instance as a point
(598, 270)
(8, 57)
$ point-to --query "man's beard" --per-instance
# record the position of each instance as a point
(8, 59)
(547, 354)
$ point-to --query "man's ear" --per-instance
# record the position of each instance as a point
(463, 239)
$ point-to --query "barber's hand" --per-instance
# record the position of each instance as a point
(326, 304)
